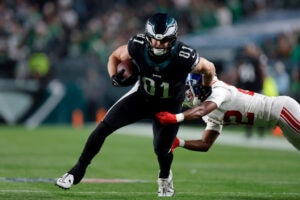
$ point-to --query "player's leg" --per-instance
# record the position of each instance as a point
(91, 148)
(163, 140)
(289, 121)
(127, 110)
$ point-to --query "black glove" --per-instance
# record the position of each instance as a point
(119, 81)
(205, 91)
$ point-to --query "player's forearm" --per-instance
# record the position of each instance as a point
(199, 111)
(209, 74)
(190, 114)
(193, 113)
(208, 71)
(204, 144)
(196, 145)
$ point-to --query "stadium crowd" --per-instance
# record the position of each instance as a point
(36, 35)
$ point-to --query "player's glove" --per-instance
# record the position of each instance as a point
(119, 81)
(204, 92)
(175, 144)
(169, 118)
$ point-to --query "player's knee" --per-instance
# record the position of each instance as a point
(161, 152)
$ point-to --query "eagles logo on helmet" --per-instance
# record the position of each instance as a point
(161, 27)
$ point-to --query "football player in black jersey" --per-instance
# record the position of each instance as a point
(163, 63)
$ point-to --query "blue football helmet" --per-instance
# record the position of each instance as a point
(192, 90)
(163, 27)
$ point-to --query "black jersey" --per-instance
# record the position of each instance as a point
(162, 79)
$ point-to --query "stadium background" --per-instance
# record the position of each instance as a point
(53, 68)
(54, 53)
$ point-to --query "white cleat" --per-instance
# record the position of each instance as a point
(66, 181)
(165, 186)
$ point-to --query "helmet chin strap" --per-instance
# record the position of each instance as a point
(159, 52)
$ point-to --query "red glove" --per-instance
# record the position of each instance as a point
(175, 144)
(169, 118)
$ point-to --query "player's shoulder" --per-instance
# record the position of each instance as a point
(185, 53)
(183, 46)
(136, 44)
(218, 83)
(138, 39)
(220, 88)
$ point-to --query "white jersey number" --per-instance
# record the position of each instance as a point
(149, 87)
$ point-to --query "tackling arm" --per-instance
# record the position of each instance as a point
(193, 113)
(203, 145)
(199, 111)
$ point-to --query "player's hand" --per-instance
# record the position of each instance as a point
(205, 92)
(166, 118)
(118, 78)
(175, 144)
(119, 81)
(169, 118)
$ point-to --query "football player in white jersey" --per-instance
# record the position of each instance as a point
(229, 105)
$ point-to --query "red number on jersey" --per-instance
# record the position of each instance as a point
(232, 117)
(251, 93)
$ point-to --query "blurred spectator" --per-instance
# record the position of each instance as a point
(7, 64)
(235, 7)
(284, 46)
(295, 84)
(18, 53)
(223, 14)
(296, 50)
(39, 68)
(208, 15)
(250, 75)
(282, 78)
(94, 89)
(269, 86)
(252, 6)
(250, 69)
(67, 29)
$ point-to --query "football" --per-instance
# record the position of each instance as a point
(129, 67)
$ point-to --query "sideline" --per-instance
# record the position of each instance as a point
(226, 138)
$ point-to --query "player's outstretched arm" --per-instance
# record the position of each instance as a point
(193, 113)
(203, 145)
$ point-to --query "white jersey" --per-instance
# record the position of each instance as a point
(237, 106)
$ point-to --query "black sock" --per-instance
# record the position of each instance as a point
(165, 165)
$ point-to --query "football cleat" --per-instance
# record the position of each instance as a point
(66, 181)
(165, 186)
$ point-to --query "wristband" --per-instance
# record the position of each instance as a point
(181, 143)
(180, 117)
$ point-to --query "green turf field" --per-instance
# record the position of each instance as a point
(31, 160)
